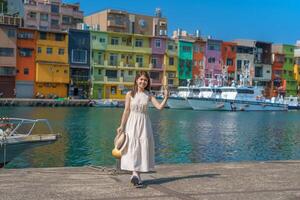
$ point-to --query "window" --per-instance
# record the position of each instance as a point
(130, 73)
(100, 60)
(186, 49)
(171, 61)
(79, 56)
(113, 90)
(25, 35)
(7, 52)
(59, 37)
(24, 52)
(99, 71)
(139, 60)
(154, 75)
(229, 62)
(239, 64)
(61, 51)
(258, 72)
(102, 40)
(44, 16)
(196, 48)
(49, 50)
(54, 8)
(39, 49)
(66, 20)
(111, 73)
(54, 22)
(7, 71)
(170, 47)
(138, 43)
(26, 71)
(154, 62)
(113, 59)
(115, 41)
(11, 33)
(157, 43)
(32, 15)
(43, 36)
(211, 60)
(94, 37)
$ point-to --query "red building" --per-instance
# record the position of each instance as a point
(277, 83)
(198, 60)
(25, 77)
(229, 59)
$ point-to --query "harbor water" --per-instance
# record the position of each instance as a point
(181, 136)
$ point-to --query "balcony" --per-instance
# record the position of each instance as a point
(9, 20)
(77, 78)
(112, 23)
(297, 53)
(119, 12)
(101, 64)
(126, 65)
(128, 79)
(156, 81)
(123, 48)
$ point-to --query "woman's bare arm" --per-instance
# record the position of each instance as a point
(161, 105)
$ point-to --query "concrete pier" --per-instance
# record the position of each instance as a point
(228, 181)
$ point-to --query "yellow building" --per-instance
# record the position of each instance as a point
(116, 57)
(171, 63)
(52, 68)
(297, 67)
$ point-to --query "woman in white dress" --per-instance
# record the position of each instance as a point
(136, 124)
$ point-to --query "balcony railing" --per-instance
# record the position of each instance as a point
(9, 20)
(79, 78)
(114, 24)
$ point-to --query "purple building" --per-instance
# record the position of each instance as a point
(213, 61)
(158, 45)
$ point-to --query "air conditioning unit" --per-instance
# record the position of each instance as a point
(26, 1)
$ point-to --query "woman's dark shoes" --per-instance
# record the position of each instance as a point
(136, 182)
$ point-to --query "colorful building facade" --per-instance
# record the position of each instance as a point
(8, 50)
(26, 54)
(158, 46)
(52, 15)
(171, 64)
(185, 61)
(111, 20)
(116, 57)
(229, 60)
(52, 64)
(213, 62)
(198, 71)
(79, 59)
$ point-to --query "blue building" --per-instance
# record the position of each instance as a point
(79, 59)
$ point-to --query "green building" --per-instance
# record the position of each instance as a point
(185, 61)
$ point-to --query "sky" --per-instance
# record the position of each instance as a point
(276, 21)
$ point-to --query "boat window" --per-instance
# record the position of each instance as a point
(245, 91)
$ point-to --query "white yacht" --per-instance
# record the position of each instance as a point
(178, 100)
(235, 99)
(16, 137)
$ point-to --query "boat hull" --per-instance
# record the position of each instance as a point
(234, 105)
(14, 146)
(178, 103)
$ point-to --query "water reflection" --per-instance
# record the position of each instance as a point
(180, 136)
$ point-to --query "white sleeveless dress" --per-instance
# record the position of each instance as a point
(140, 153)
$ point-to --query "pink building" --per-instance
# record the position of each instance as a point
(50, 15)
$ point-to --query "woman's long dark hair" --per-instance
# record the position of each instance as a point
(138, 75)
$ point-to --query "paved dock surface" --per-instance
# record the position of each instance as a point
(229, 181)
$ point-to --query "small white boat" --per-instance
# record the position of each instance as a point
(106, 103)
(16, 137)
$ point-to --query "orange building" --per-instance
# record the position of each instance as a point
(229, 59)
(198, 60)
(26, 43)
(277, 85)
